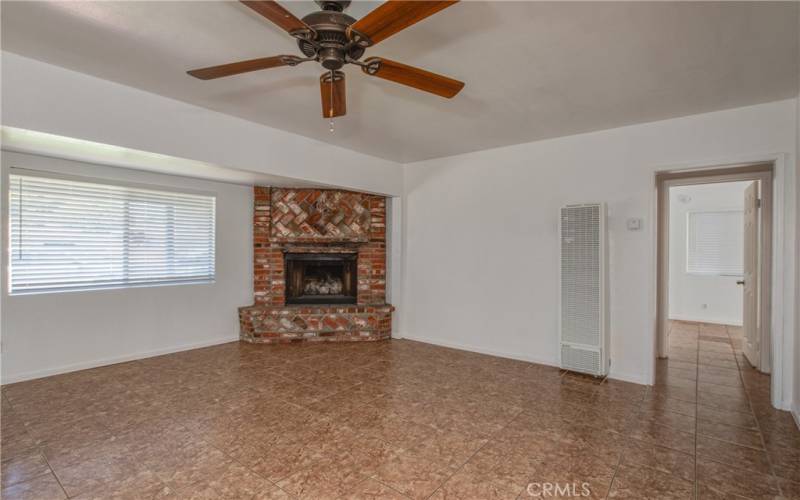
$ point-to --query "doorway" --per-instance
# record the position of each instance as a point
(715, 256)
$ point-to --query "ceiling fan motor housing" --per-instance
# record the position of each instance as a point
(331, 45)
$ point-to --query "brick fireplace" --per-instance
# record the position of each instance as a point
(319, 267)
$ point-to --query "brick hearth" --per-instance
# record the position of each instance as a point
(318, 221)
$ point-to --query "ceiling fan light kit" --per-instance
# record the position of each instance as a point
(333, 39)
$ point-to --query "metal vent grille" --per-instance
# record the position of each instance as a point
(582, 318)
(580, 275)
(581, 360)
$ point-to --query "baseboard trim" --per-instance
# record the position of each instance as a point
(796, 414)
(625, 377)
(715, 321)
(31, 375)
(479, 350)
(628, 377)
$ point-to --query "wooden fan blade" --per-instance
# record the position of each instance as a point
(243, 67)
(394, 16)
(334, 96)
(278, 15)
(411, 76)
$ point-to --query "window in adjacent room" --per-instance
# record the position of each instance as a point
(715, 241)
(74, 235)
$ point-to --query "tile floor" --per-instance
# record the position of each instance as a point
(398, 419)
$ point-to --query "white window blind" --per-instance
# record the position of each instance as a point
(715, 243)
(70, 235)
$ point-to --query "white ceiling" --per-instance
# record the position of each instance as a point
(532, 70)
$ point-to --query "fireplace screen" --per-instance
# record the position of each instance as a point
(320, 278)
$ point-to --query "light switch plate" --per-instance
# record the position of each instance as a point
(634, 224)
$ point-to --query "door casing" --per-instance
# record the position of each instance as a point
(762, 172)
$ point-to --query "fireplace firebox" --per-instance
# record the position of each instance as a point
(320, 278)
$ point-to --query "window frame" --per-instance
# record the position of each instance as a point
(106, 181)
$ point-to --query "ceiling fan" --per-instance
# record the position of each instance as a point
(333, 39)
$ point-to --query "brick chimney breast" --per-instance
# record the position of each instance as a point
(316, 221)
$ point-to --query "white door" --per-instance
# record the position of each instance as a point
(751, 345)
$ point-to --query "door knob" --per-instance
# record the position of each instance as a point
(741, 282)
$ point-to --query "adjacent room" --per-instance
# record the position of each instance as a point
(402, 250)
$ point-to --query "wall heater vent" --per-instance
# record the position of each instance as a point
(584, 296)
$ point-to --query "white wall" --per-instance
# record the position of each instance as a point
(51, 333)
(797, 283)
(46, 98)
(482, 244)
(694, 297)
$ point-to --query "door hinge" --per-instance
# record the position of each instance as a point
(758, 202)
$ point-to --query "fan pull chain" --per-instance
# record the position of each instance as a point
(331, 110)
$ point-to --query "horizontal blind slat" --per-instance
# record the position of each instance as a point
(715, 242)
(72, 235)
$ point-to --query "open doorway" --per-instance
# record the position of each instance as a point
(712, 390)
(715, 256)
(706, 278)
(714, 298)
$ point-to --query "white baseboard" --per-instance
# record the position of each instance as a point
(626, 377)
(84, 365)
(480, 350)
(698, 319)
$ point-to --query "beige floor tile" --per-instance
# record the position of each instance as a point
(645, 483)
(726, 479)
(371, 489)
(464, 485)
(734, 455)
(732, 418)
(731, 434)
(40, 488)
(23, 467)
(412, 474)
(668, 461)
(398, 419)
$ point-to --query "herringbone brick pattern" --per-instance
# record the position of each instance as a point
(313, 214)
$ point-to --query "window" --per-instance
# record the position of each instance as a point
(715, 243)
(70, 235)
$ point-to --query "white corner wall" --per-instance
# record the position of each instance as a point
(46, 98)
(693, 297)
(796, 409)
(481, 255)
(58, 332)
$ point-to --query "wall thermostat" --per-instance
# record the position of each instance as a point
(634, 224)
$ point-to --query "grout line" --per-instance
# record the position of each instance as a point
(695, 483)
(491, 438)
(639, 412)
(696, 413)
(40, 451)
(616, 467)
(758, 424)
(54, 475)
